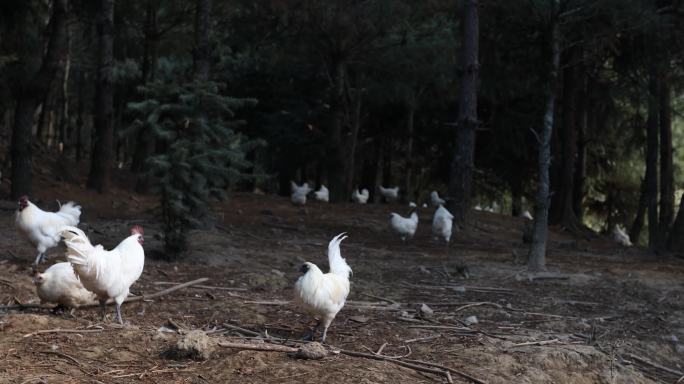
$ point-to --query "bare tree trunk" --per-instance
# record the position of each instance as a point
(336, 154)
(638, 224)
(666, 165)
(101, 166)
(536, 260)
(676, 242)
(202, 49)
(79, 116)
(353, 139)
(461, 178)
(410, 118)
(29, 97)
(652, 160)
(581, 164)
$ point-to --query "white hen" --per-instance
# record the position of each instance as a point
(59, 285)
(298, 196)
(404, 227)
(323, 294)
(526, 215)
(441, 224)
(322, 194)
(109, 274)
(42, 228)
(390, 194)
(361, 198)
(435, 200)
(620, 236)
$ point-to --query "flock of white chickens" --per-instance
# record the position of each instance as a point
(405, 227)
(93, 273)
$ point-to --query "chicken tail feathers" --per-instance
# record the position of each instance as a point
(79, 250)
(71, 212)
(338, 265)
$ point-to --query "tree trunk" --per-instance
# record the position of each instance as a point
(536, 260)
(79, 116)
(581, 164)
(202, 49)
(562, 211)
(676, 242)
(666, 164)
(652, 160)
(461, 177)
(638, 223)
(336, 155)
(29, 97)
(101, 166)
(353, 139)
(516, 186)
(410, 118)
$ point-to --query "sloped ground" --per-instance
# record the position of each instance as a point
(616, 311)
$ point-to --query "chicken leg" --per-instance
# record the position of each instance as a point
(39, 259)
(312, 335)
(118, 313)
(103, 308)
(325, 329)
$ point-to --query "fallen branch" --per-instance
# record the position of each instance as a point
(151, 296)
(242, 330)
(654, 365)
(416, 367)
(423, 339)
(541, 342)
(198, 286)
(452, 370)
(258, 347)
(477, 305)
(64, 355)
(59, 330)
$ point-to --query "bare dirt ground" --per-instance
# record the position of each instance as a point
(616, 317)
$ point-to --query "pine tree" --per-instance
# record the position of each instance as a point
(203, 155)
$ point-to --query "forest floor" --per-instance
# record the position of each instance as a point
(615, 316)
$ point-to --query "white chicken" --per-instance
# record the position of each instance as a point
(322, 194)
(435, 200)
(413, 204)
(59, 285)
(403, 226)
(390, 194)
(526, 215)
(362, 197)
(42, 228)
(298, 196)
(441, 224)
(323, 295)
(109, 274)
(620, 236)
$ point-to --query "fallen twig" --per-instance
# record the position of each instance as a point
(64, 355)
(452, 370)
(242, 330)
(477, 305)
(432, 337)
(153, 295)
(258, 347)
(416, 367)
(540, 342)
(199, 286)
(655, 365)
(59, 330)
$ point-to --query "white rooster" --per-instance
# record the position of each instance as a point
(323, 294)
(620, 236)
(404, 227)
(435, 200)
(441, 224)
(322, 194)
(59, 285)
(42, 228)
(298, 196)
(390, 194)
(362, 197)
(109, 274)
(526, 215)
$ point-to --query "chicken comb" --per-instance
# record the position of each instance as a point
(137, 229)
(23, 198)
